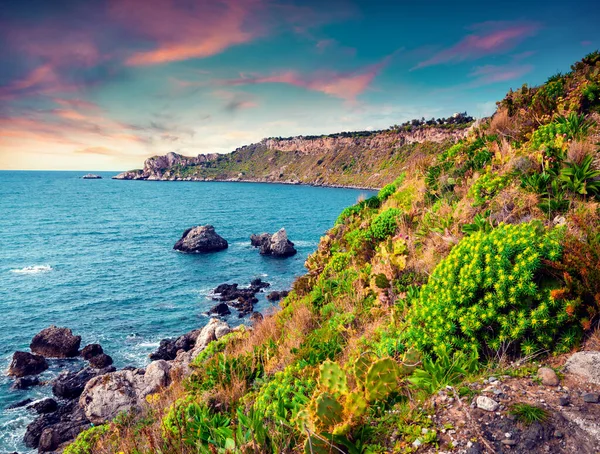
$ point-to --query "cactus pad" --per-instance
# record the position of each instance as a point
(361, 367)
(355, 405)
(381, 379)
(326, 412)
(332, 378)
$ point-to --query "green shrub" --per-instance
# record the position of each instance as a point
(284, 395)
(85, 443)
(491, 292)
(384, 224)
(381, 281)
(487, 187)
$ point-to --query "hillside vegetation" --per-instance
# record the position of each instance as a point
(483, 253)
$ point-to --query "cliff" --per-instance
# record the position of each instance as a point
(360, 160)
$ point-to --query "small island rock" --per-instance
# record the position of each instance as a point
(200, 239)
(55, 342)
(276, 245)
(91, 176)
(24, 363)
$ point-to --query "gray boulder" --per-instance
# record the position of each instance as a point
(200, 239)
(586, 365)
(55, 342)
(276, 245)
(105, 396)
(70, 385)
(24, 363)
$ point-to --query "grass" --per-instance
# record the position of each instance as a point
(529, 414)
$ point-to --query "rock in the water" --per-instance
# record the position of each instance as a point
(276, 245)
(47, 405)
(487, 404)
(91, 350)
(24, 363)
(586, 365)
(55, 342)
(200, 239)
(19, 404)
(25, 383)
(100, 361)
(276, 296)
(548, 376)
(104, 397)
(168, 348)
(220, 309)
(70, 385)
(91, 176)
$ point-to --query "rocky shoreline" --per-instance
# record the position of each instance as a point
(131, 175)
(96, 392)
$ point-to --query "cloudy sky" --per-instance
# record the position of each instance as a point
(101, 85)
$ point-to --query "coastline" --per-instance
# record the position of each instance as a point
(236, 180)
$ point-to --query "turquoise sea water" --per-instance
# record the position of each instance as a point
(96, 256)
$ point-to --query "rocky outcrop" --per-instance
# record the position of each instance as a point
(55, 427)
(277, 295)
(586, 365)
(24, 363)
(47, 405)
(94, 354)
(160, 167)
(55, 342)
(200, 239)
(242, 299)
(70, 385)
(276, 245)
(105, 396)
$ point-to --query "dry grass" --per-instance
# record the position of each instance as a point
(578, 151)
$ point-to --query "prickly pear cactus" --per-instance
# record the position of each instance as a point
(409, 362)
(381, 379)
(361, 367)
(332, 378)
(318, 445)
(355, 404)
(327, 412)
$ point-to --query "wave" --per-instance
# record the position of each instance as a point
(34, 269)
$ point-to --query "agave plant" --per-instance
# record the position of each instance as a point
(576, 125)
(581, 178)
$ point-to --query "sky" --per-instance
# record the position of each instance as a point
(104, 84)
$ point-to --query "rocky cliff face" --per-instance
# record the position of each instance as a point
(360, 160)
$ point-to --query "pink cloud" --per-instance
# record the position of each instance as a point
(343, 85)
(490, 38)
(489, 74)
(190, 29)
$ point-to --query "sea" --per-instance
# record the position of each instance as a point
(97, 256)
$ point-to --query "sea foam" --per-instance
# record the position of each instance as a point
(34, 269)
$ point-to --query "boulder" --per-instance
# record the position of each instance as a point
(47, 405)
(256, 318)
(276, 296)
(49, 440)
(24, 363)
(55, 342)
(104, 397)
(220, 309)
(586, 365)
(70, 385)
(276, 245)
(91, 350)
(168, 348)
(487, 404)
(548, 376)
(100, 361)
(66, 423)
(25, 383)
(200, 239)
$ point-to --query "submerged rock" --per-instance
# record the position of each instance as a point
(55, 342)
(25, 383)
(200, 239)
(276, 245)
(277, 295)
(24, 363)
